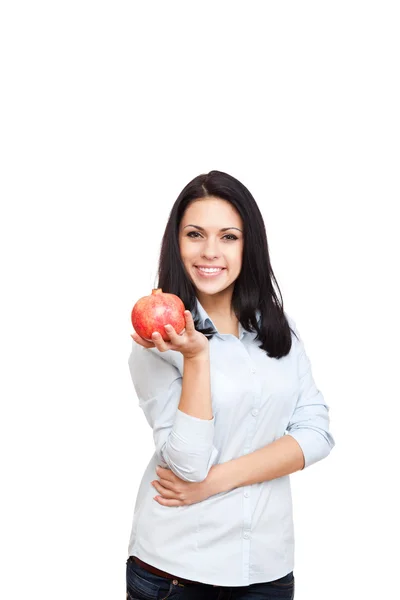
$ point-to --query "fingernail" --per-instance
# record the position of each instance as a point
(167, 326)
(132, 337)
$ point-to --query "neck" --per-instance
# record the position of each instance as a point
(218, 305)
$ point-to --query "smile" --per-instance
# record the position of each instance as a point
(210, 271)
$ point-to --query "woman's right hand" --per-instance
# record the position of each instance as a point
(191, 343)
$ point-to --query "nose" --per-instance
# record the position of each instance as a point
(210, 250)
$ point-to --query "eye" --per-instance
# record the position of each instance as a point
(229, 236)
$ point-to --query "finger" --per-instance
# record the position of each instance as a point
(189, 323)
(166, 474)
(139, 340)
(167, 484)
(172, 334)
(164, 492)
(165, 502)
(159, 342)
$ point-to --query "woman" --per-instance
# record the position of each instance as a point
(233, 408)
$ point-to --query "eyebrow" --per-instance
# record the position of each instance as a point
(202, 228)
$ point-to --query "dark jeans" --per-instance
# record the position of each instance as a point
(142, 585)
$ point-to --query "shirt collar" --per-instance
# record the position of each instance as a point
(206, 321)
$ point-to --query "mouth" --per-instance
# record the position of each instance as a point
(210, 271)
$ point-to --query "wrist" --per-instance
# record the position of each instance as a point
(213, 482)
(202, 356)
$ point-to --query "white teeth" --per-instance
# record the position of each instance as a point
(209, 270)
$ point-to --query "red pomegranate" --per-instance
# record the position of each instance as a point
(151, 313)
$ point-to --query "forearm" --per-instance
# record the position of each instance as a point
(282, 457)
(196, 387)
(189, 450)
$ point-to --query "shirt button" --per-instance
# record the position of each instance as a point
(246, 535)
(254, 412)
(253, 370)
(246, 494)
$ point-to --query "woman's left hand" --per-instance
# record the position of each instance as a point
(174, 491)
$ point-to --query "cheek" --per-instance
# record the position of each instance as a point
(186, 251)
(182, 248)
(236, 259)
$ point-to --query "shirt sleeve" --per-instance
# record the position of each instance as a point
(309, 423)
(183, 443)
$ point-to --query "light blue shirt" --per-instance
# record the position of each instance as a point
(243, 536)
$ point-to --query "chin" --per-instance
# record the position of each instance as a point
(211, 290)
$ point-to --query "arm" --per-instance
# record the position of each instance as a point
(307, 442)
(281, 457)
(189, 451)
(196, 387)
(177, 407)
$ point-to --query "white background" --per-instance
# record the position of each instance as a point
(107, 110)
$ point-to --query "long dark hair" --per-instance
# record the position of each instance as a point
(253, 288)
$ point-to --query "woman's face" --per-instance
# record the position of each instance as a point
(211, 244)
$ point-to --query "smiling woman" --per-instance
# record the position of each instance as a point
(212, 258)
(215, 222)
(232, 403)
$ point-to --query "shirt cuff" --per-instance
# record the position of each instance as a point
(189, 451)
(314, 445)
(193, 430)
